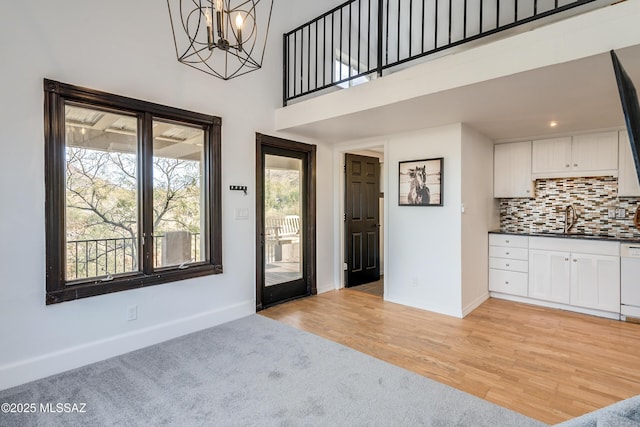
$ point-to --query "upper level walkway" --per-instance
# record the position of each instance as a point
(505, 88)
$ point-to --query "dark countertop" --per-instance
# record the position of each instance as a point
(560, 235)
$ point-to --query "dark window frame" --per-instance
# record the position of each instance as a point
(56, 95)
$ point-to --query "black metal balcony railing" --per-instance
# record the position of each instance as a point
(364, 37)
(100, 257)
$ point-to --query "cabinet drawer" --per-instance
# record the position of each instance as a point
(509, 253)
(509, 240)
(508, 282)
(509, 264)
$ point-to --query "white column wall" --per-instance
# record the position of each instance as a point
(423, 259)
(479, 217)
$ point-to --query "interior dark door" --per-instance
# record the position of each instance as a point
(285, 221)
(362, 219)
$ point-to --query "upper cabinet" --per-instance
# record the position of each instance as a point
(584, 155)
(597, 153)
(551, 156)
(512, 170)
(627, 177)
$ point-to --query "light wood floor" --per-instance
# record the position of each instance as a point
(373, 288)
(547, 364)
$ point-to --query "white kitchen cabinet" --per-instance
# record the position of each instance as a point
(628, 185)
(583, 155)
(550, 275)
(595, 281)
(551, 156)
(595, 153)
(512, 170)
(508, 264)
(575, 274)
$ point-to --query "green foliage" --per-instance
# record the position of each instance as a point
(282, 193)
(102, 203)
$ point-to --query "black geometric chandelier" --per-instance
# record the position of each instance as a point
(224, 38)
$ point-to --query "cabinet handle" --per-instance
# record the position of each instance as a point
(507, 241)
(507, 265)
(575, 260)
(566, 259)
(567, 165)
(507, 253)
(575, 165)
(528, 191)
(506, 283)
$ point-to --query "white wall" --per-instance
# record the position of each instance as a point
(126, 48)
(480, 216)
(423, 260)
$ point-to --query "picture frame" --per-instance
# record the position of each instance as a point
(420, 182)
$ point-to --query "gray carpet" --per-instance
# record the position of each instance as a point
(251, 372)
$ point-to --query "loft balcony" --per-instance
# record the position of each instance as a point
(370, 68)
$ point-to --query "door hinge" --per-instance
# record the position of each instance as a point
(344, 217)
(344, 167)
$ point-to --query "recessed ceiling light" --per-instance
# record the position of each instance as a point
(553, 124)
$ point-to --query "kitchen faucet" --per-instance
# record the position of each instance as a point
(570, 218)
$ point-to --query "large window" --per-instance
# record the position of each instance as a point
(133, 193)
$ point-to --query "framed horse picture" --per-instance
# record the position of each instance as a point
(420, 182)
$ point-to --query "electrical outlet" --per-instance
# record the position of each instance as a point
(132, 312)
(509, 210)
(611, 213)
(621, 213)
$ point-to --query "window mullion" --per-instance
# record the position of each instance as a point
(145, 183)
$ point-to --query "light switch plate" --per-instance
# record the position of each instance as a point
(621, 213)
(611, 214)
(242, 214)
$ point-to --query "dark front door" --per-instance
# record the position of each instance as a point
(285, 220)
(362, 219)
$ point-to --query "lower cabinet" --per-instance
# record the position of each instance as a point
(508, 264)
(550, 276)
(577, 273)
(595, 281)
(508, 282)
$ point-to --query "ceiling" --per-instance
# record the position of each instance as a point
(580, 95)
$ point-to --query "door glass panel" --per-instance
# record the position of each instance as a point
(178, 195)
(283, 219)
(101, 193)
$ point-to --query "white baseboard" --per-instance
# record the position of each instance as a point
(326, 288)
(474, 304)
(35, 368)
(414, 304)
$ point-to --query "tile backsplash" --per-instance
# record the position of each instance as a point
(592, 198)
